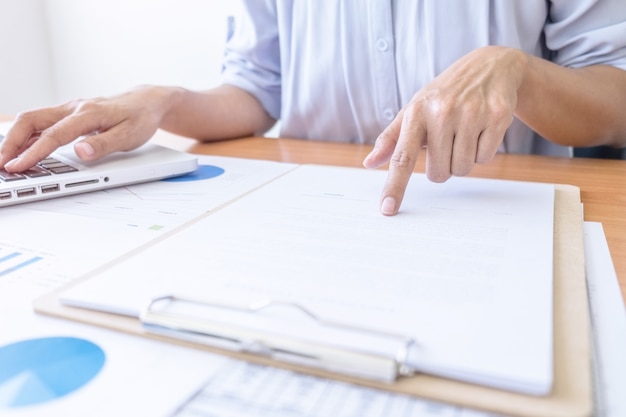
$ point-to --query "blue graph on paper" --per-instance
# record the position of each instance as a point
(28, 268)
(204, 172)
(12, 260)
(36, 371)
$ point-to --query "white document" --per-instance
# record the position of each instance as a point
(608, 320)
(139, 376)
(240, 389)
(465, 264)
(162, 205)
(69, 236)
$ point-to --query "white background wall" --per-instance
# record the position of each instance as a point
(26, 78)
(56, 50)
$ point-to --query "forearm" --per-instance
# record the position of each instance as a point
(574, 107)
(220, 113)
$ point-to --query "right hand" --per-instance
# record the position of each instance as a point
(459, 119)
(120, 123)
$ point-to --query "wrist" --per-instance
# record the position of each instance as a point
(160, 101)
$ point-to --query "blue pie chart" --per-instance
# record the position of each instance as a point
(36, 371)
(204, 172)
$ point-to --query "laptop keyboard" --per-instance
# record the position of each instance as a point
(48, 166)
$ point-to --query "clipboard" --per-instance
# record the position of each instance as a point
(356, 360)
(571, 395)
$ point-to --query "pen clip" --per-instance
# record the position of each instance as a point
(159, 317)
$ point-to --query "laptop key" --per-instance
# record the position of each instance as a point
(62, 169)
(55, 166)
(48, 165)
(10, 176)
(36, 172)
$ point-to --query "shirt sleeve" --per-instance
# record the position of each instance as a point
(252, 55)
(580, 33)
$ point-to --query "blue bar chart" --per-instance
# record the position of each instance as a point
(27, 268)
(12, 261)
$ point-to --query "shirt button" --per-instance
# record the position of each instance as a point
(382, 45)
(388, 114)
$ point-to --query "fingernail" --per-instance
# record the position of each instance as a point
(370, 156)
(388, 207)
(12, 163)
(85, 149)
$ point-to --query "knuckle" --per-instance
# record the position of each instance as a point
(72, 104)
(385, 137)
(68, 108)
(26, 116)
(441, 109)
(52, 136)
(87, 106)
(502, 112)
(417, 104)
(402, 159)
(415, 111)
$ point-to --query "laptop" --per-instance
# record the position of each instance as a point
(63, 173)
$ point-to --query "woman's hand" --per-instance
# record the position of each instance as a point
(460, 119)
(118, 123)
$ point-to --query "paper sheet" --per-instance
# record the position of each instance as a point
(139, 376)
(467, 263)
(239, 389)
(103, 225)
(161, 205)
(608, 319)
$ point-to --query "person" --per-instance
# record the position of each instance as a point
(459, 80)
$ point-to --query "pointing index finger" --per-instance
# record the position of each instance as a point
(401, 165)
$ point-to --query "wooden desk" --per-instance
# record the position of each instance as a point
(602, 182)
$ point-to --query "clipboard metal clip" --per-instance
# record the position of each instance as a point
(199, 322)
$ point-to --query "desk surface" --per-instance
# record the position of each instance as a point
(602, 182)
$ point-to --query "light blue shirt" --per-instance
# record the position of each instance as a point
(341, 69)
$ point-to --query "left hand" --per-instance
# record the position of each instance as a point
(460, 118)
